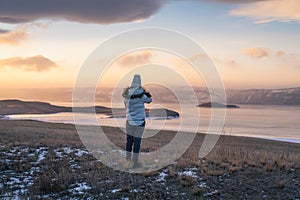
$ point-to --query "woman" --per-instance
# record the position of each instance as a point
(135, 98)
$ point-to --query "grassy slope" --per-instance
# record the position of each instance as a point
(237, 150)
(238, 167)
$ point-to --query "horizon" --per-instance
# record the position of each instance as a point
(147, 86)
(162, 95)
(49, 94)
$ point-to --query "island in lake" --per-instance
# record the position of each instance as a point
(13, 107)
(217, 105)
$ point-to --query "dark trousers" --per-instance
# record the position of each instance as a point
(134, 137)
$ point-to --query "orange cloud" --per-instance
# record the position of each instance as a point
(15, 37)
(268, 11)
(261, 52)
(280, 53)
(198, 56)
(37, 63)
(256, 53)
(134, 59)
(12, 37)
(226, 62)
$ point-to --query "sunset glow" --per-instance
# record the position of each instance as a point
(250, 48)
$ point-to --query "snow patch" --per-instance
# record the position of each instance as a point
(67, 150)
(80, 152)
(188, 173)
(80, 189)
(13, 181)
(58, 153)
(42, 151)
(161, 177)
(211, 193)
(203, 185)
(115, 190)
(135, 191)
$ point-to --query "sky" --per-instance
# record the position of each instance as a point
(252, 43)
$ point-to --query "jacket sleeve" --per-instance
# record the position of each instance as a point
(126, 103)
(147, 99)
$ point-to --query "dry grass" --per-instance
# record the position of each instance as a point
(172, 171)
(185, 180)
(231, 155)
(234, 153)
(197, 191)
(281, 184)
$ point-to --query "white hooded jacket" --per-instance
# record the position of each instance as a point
(135, 98)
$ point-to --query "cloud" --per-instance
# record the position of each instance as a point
(256, 53)
(269, 11)
(226, 62)
(217, 60)
(101, 11)
(89, 11)
(135, 59)
(198, 56)
(40, 25)
(280, 53)
(3, 31)
(261, 52)
(37, 63)
(119, 11)
(238, 1)
(13, 37)
(287, 60)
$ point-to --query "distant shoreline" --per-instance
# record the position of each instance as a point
(217, 105)
(13, 107)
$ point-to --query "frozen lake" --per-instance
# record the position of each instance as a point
(262, 121)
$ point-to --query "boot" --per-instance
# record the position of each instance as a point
(136, 163)
(128, 156)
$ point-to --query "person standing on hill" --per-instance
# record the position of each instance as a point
(135, 98)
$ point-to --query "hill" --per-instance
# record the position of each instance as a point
(289, 96)
(12, 107)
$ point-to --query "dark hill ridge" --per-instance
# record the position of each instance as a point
(12, 107)
(217, 105)
(287, 96)
(284, 96)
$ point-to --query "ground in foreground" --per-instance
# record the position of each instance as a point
(45, 160)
